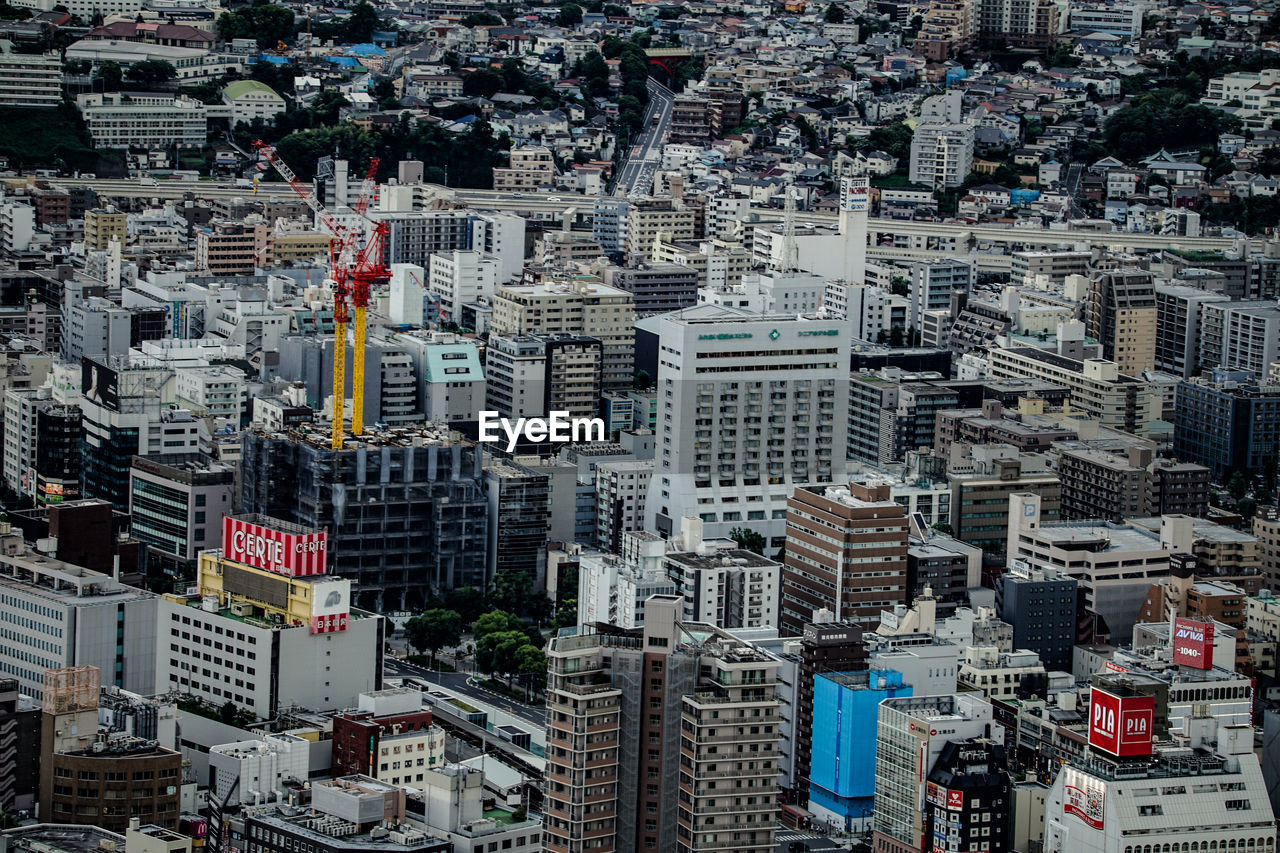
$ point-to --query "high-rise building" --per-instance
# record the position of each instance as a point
(1241, 335)
(1229, 422)
(405, 508)
(126, 414)
(729, 588)
(20, 721)
(1018, 23)
(28, 80)
(750, 406)
(942, 153)
(651, 220)
(949, 28)
(659, 287)
(1121, 314)
(588, 309)
(460, 278)
(1040, 604)
(824, 647)
(529, 168)
(911, 735)
(980, 498)
(519, 512)
(846, 551)
(1098, 387)
(621, 488)
(101, 225)
(1178, 318)
(176, 504)
(842, 778)
(629, 713)
(967, 797)
(933, 282)
(533, 375)
(229, 248)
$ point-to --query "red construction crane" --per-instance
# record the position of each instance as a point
(354, 270)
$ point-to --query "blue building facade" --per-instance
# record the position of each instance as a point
(842, 770)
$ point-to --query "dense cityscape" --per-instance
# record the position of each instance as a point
(448, 426)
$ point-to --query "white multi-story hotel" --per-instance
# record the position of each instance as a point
(748, 408)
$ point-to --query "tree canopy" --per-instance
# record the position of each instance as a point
(1163, 119)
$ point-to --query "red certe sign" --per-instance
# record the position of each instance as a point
(1193, 643)
(1121, 725)
(272, 549)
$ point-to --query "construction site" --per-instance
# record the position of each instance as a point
(405, 506)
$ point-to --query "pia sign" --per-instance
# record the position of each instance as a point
(291, 554)
(1122, 726)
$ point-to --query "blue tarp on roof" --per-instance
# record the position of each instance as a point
(344, 61)
(273, 60)
(367, 49)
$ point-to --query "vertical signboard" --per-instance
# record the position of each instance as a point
(1193, 643)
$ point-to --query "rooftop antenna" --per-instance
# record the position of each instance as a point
(788, 232)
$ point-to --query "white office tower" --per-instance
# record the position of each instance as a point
(749, 406)
(408, 294)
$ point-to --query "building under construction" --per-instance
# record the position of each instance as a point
(405, 507)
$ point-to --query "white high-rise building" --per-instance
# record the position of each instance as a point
(461, 278)
(749, 406)
(941, 154)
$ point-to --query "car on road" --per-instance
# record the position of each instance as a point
(554, 198)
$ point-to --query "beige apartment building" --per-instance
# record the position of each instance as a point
(586, 308)
(530, 168)
(101, 225)
(653, 218)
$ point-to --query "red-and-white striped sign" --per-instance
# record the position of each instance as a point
(291, 554)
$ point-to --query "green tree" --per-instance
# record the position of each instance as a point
(363, 22)
(531, 665)
(494, 622)
(384, 90)
(468, 601)
(433, 630)
(513, 76)
(899, 285)
(943, 527)
(748, 539)
(893, 139)
(511, 591)
(570, 15)
(483, 19)
(327, 105)
(266, 22)
(834, 14)
(483, 82)
(496, 652)
(1164, 119)
(1237, 486)
(111, 75)
(150, 72)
